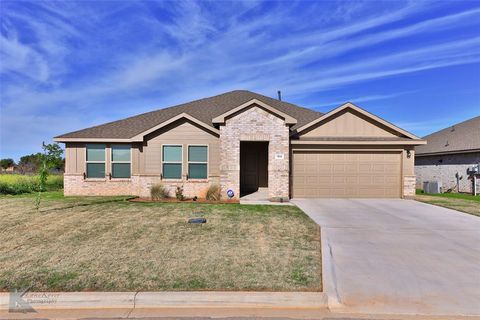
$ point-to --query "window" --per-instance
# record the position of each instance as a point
(172, 162)
(197, 162)
(121, 161)
(95, 161)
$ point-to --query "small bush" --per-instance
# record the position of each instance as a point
(213, 192)
(17, 184)
(179, 194)
(158, 191)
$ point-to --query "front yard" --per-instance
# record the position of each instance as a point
(462, 202)
(109, 244)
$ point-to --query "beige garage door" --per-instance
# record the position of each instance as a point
(346, 174)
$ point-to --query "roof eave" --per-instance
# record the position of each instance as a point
(356, 142)
(439, 153)
(140, 136)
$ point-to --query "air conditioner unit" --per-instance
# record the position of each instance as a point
(432, 187)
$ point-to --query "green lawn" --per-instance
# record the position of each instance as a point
(110, 244)
(459, 201)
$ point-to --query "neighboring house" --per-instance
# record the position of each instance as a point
(244, 141)
(10, 169)
(448, 155)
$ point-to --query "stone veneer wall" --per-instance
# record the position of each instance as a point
(444, 167)
(408, 187)
(138, 185)
(255, 124)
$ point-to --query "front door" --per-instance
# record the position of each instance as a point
(253, 166)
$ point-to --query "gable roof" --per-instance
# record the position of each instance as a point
(463, 136)
(221, 118)
(203, 110)
(351, 106)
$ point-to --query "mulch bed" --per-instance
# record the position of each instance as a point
(175, 200)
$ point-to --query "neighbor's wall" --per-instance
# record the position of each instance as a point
(444, 168)
(255, 124)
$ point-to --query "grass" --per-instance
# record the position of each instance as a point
(109, 244)
(458, 201)
(18, 183)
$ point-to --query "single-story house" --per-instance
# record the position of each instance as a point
(448, 155)
(244, 141)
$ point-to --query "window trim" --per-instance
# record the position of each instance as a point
(112, 162)
(198, 162)
(90, 161)
(175, 162)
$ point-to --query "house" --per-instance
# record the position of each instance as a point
(448, 155)
(244, 142)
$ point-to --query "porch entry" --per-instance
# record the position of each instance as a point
(253, 166)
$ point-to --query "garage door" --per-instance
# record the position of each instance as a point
(346, 174)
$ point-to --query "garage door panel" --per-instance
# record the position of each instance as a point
(346, 174)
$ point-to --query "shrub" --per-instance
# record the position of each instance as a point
(213, 192)
(158, 191)
(18, 184)
(179, 193)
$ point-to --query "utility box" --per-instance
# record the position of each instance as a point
(432, 187)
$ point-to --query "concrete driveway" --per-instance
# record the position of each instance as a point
(398, 256)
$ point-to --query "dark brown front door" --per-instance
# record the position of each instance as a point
(253, 166)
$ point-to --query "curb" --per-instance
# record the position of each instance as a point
(329, 281)
(167, 300)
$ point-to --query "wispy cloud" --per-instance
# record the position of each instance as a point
(60, 59)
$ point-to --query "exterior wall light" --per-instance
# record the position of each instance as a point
(409, 154)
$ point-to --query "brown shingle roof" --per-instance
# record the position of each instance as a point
(204, 110)
(463, 136)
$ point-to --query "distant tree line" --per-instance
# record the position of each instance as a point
(31, 163)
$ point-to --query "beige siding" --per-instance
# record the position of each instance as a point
(74, 158)
(183, 133)
(348, 124)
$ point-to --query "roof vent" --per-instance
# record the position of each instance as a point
(279, 95)
(453, 129)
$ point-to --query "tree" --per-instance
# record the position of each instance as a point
(30, 163)
(6, 163)
(50, 158)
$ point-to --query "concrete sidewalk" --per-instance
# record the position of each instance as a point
(122, 304)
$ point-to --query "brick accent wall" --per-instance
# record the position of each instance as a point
(444, 168)
(255, 124)
(138, 185)
(409, 187)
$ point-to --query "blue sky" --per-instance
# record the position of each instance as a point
(69, 65)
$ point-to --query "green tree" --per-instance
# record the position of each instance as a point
(50, 158)
(7, 163)
(30, 163)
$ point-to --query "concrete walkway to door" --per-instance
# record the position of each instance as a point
(398, 256)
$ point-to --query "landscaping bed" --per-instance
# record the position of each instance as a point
(175, 200)
(110, 244)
